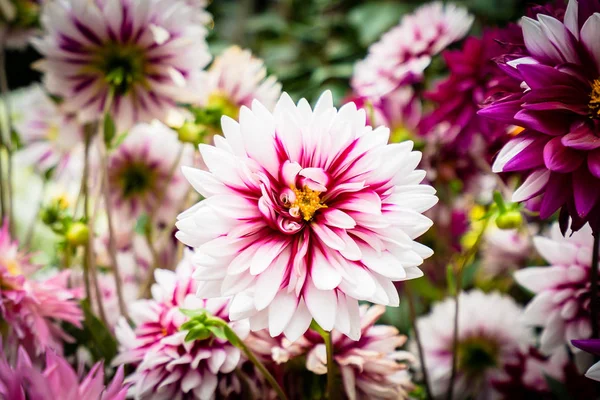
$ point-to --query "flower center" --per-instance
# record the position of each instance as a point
(12, 266)
(219, 101)
(594, 104)
(477, 354)
(307, 203)
(122, 66)
(135, 179)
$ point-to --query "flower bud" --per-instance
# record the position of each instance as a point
(78, 234)
(191, 133)
(510, 219)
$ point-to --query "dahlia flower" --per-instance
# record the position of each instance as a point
(558, 104)
(306, 212)
(236, 78)
(403, 53)
(51, 138)
(34, 309)
(57, 380)
(590, 346)
(486, 342)
(166, 366)
(562, 290)
(372, 367)
(144, 173)
(144, 56)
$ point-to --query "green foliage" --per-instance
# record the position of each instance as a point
(96, 336)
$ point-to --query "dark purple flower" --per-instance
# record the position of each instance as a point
(558, 104)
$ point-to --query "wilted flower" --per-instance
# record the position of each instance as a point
(558, 104)
(165, 364)
(402, 54)
(144, 173)
(34, 310)
(51, 138)
(562, 290)
(306, 211)
(372, 367)
(57, 380)
(486, 342)
(142, 57)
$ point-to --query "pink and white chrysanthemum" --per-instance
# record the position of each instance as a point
(403, 53)
(166, 366)
(144, 173)
(51, 138)
(487, 341)
(306, 212)
(146, 55)
(236, 78)
(562, 290)
(34, 309)
(372, 367)
(57, 380)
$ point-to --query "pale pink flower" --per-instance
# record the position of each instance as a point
(236, 78)
(403, 53)
(144, 173)
(562, 290)
(166, 366)
(504, 251)
(487, 341)
(57, 380)
(372, 367)
(306, 212)
(148, 54)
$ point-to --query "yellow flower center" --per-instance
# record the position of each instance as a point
(307, 202)
(594, 104)
(53, 132)
(219, 100)
(12, 266)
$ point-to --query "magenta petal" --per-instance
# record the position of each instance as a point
(586, 191)
(530, 157)
(502, 111)
(589, 345)
(581, 137)
(556, 194)
(554, 124)
(594, 162)
(559, 158)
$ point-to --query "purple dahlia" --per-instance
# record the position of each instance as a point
(558, 105)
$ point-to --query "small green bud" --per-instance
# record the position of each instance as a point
(510, 219)
(78, 234)
(191, 132)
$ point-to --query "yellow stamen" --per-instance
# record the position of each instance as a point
(307, 202)
(12, 266)
(594, 104)
(515, 130)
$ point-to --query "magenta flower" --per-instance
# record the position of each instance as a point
(166, 366)
(402, 54)
(562, 290)
(148, 54)
(558, 104)
(306, 212)
(590, 346)
(57, 380)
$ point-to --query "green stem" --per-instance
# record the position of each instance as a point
(413, 320)
(235, 340)
(7, 128)
(331, 391)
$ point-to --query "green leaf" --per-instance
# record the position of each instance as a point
(231, 336)
(102, 343)
(424, 288)
(218, 331)
(141, 224)
(191, 324)
(199, 313)
(198, 333)
(374, 18)
(109, 129)
(558, 389)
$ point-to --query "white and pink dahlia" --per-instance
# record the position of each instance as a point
(487, 342)
(236, 78)
(372, 367)
(52, 140)
(305, 213)
(562, 290)
(145, 55)
(166, 366)
(144, 173)
(402, 54)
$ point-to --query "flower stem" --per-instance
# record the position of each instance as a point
(7, 134)
(594, 285)
(331, 391)
(462, 262)
(413, 321)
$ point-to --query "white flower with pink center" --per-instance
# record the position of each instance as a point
(305, 213)
(166, 366)
(403, 53)
(562, 290)
(145, 56)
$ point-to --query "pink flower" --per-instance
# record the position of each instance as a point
(562, 290)
(372, 367)
(167, 366)
(57, 380)
(402, 54)
(34, 309)
(144, 173)
(306, 212)
(504, 251)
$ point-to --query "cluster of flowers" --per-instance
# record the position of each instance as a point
(212, 238)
